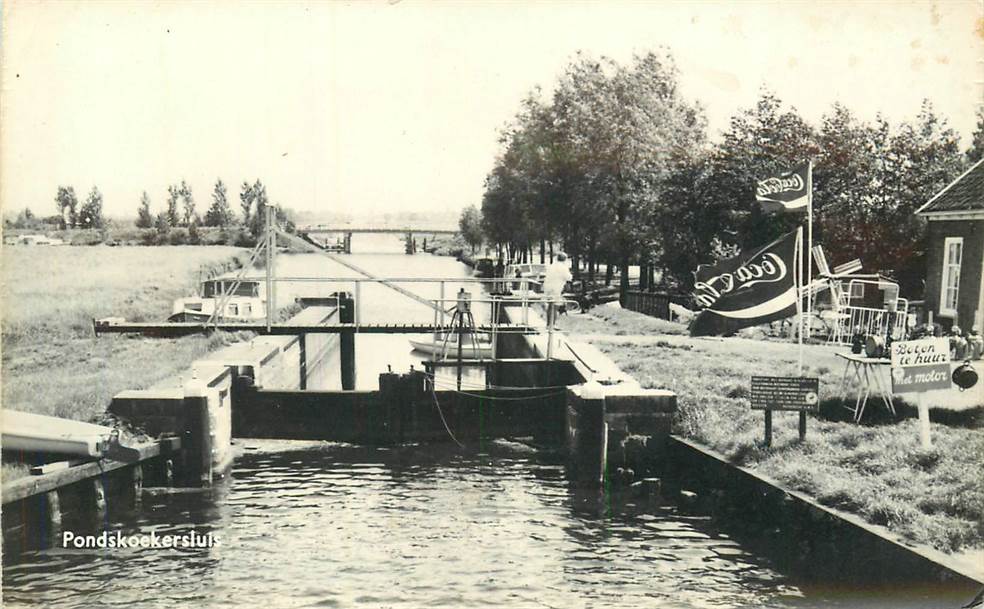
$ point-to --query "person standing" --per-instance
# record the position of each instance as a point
(554, 282)
(499, 272)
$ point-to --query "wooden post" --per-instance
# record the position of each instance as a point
(52, 511)
(591, 445)
(167, 467)
(98, 497)
(768, 427)
(136, 484)
(925, 440)
(196, 443)
(346, 315)
(302, 363)
(802, 425)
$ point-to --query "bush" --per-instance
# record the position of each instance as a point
(178, 236)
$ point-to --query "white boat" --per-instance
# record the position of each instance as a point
(245, 300)
(471, 348)
(26, 431)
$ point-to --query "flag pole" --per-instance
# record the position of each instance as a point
(798, 279)
(799, 306)
(809, 249)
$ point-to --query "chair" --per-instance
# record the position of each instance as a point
(838, 318)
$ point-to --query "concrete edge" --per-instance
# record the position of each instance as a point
(927, 553)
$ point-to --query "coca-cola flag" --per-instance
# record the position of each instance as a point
(785, 192)
(747, 290)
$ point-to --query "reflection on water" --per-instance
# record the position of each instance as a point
(319, 525)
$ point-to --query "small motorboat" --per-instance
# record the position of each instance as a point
(26, 431)
(244, 300)
(472, 347)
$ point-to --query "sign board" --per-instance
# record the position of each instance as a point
(920, 365)
(785, 393)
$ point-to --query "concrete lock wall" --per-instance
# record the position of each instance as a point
(271, 361)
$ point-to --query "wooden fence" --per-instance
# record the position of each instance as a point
(655, 304)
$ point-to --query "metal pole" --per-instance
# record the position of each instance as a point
(461, 336)
(441, 304)
(526, 310)
(358, 304)
(269, 271)
(551, 312)
(495, 323)
(809, 249)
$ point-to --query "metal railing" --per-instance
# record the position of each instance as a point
(525, 295)
(870, 321)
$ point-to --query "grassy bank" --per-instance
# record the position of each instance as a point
(876, 469)
(52, 363)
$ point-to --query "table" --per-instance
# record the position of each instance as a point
(866, 371)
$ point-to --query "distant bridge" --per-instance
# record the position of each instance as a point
(347, 231)
(321, 229)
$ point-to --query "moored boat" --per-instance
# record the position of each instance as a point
(242, 299)
(447, 346)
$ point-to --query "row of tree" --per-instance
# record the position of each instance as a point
(253, 203)
(617, 167)
(89, 215)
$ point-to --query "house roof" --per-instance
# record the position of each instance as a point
(966, 193)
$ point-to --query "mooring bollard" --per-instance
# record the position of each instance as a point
(196, 444)
(592, 436)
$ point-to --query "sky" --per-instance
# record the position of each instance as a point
(378, 107)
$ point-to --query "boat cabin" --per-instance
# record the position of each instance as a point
(240, 300)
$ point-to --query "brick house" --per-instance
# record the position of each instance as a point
(955, 251)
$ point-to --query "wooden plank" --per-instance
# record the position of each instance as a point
(34, 485)
(56, 466)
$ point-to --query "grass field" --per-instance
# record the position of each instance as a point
(52, 363)
(876, 469)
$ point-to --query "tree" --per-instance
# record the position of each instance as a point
(144, 218)
(761, 141)
(90, 216)
(627, 128)
(67, 206)
(25, 219)
(470, 225)
(188, 203)
(194, 238)
(976, 150)
(173, 194)
(246, 198)
(219, 214)
(259, 195)
(162, 226)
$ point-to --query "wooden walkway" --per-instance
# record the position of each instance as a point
(175, 329)
(29, 486)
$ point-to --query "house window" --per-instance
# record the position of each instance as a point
(950, 288)
(233, 309)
